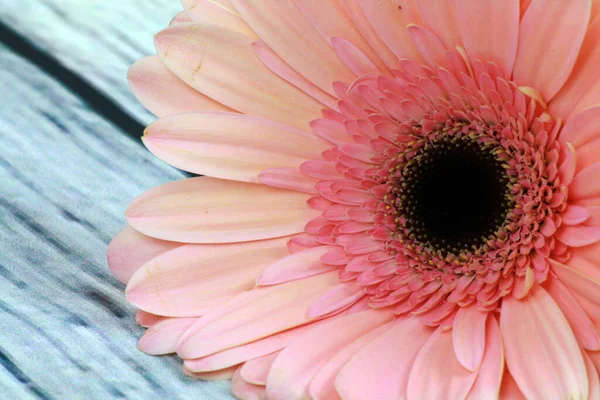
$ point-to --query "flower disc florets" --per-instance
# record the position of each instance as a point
(448, 192)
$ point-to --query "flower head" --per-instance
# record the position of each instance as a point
(400, 198)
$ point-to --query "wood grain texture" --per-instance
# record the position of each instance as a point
(97, 39)
(66, 176)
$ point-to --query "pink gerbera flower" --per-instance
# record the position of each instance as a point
(401, 198)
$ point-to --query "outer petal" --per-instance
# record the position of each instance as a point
(380, 370)
(230, 146)
(211, 59)
(162, 337)
(509, 388)
(322, 387)
(582, 128)
(468, 335)
(257, 314)
(580, 322)
(285, 30)
(331, 20)
(429, 46)
(258, 348)
(578, 236)
(364, 27)
(207, 210)
(163, 93)
(390, 19)
(129, 250)
(296, 266)
(490, 30)
(288, 178)
(585, 184)
(489, 378)
(549, 42)
(440, 16)
(295, 367)
(541, 350)
(256, 370)
(437, 373)
(583, 80)
(209, 12)
(193, 279)
(246, 391)
(585, 288)
(592, 376)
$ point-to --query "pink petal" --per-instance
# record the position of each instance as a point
(566, 170)
(490, 31)
(468, 335)
(192, 279)
(440, 16)
(299, 265)
(338, 298)
(129, 250)
(319, 169)
(586, 259)
(429, 46)
(145, 319)
(582, 85)
(162, 337)
(362, 24)
(560, 28)
(285, 30)
(258, 348)
(263, 312)
(489, 378)
(322, 386)
(587, 154)
(293, 370)
(436, 373)
(585, 288)
(381, 369)
(509, 388)
(586, 183)
(331, 20)
(211, 13)
(246, 391)
(580, 322)
(595, 358)
(288, 178)
(523, 284)
(163, 93)
(578, 236)
(180, 18)
(224, 56)
(255, 371)
(574, 215)
(352, 57)
(390, 22)
(207, 210)
(541, 350)
(593, 377)
(582, 128)
(275, 64)
(230, 146)
(220, 375)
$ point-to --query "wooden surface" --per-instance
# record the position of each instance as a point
(70, 162)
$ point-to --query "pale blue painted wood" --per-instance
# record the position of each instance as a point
(66, 176)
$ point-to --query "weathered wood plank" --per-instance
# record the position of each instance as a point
(66, 176)
(98, 39)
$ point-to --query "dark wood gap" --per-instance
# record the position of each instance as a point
(97, 101)
(90, 95)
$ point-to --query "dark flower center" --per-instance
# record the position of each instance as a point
(454, 195)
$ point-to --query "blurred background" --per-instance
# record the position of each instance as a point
(70, 162)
